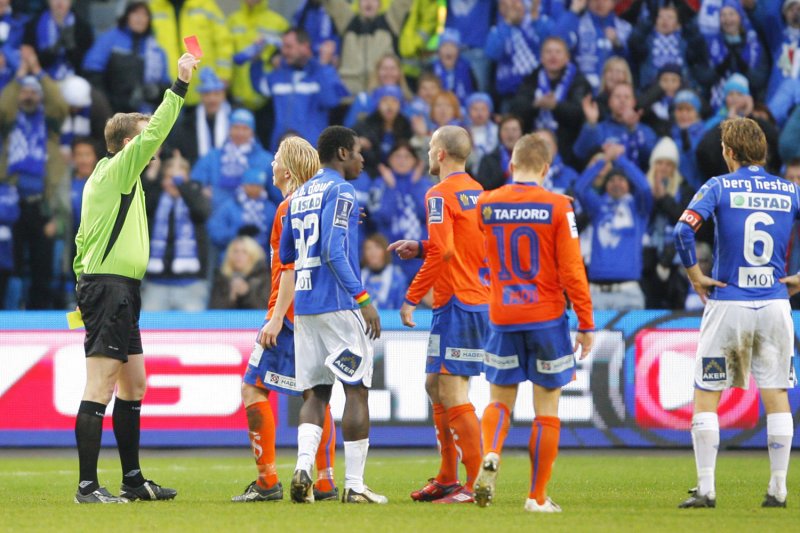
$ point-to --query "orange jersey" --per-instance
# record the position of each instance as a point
(455, 258)
(532, 242)
(275, 260)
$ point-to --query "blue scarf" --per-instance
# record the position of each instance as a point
(458, 80)
(234, 161)
(77, 124)
(666, 49)
(27, 151)
(185, 260)
(593, 47)
(718, 51)
(253, 214)
(551, 179)
(47, 34)
(405, 220)
(153, 56)
(545, 119)
(76, 200)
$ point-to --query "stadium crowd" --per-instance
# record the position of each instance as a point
(628, 95)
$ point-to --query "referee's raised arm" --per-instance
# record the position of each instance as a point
(130, 154)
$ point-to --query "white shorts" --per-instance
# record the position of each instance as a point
(737, 337)
(330, 346)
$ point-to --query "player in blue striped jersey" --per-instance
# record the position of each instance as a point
(747, 323)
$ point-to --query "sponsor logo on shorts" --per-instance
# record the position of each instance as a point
(255, 355)
(556, 366)
(435, 210)
(342, 213)
(714, 369)
(761, 201)
(347, 362)
(501, 362)
(284, 382)
(756, 277)
(433, 345)
(464, 354)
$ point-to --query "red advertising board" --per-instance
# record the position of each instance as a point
(664, 384)
(193, 380)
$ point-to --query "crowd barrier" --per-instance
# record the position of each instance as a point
(635, 390)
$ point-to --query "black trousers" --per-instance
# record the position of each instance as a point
(33, 254)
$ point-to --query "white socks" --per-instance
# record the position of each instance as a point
(355, 458)
(780, 429)
(705, 438)
(308, 437)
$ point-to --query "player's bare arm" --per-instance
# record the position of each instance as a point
(792, 283)
(373, 321)
(703, 284)
(407, 315)
(405, 249)
(584, 340)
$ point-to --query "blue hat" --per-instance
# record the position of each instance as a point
(687, 96)
(388, 90)
(209, 82)
(254, 176)
(243, 116)
(674, 68)
(31, 82)
(480, 97)
(450, 35)
(737, 82)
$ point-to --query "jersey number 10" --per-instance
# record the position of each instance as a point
(516, 244)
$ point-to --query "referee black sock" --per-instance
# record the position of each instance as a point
(88, 431)
(126, 419)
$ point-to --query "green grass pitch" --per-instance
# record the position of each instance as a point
(599, 491)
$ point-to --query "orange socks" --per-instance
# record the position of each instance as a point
(466, 439)
(448, 471)
(543, 449)
(326, 454)
(494, 427)
(261, 426)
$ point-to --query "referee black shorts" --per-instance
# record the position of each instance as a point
(110, 307)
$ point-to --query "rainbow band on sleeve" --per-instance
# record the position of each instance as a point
(363, 299)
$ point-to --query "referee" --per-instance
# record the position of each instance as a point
(112, 251)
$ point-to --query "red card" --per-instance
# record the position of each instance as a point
(193, 46)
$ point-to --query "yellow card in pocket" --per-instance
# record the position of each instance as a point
(74, 320)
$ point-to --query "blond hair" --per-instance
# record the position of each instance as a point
(610, 62)
(254, 252)
(747, 140)
(120, 127)
(531, 154)
(300, 159)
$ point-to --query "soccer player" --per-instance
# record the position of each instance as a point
(296, 161)
(112, 252)
(534, 256)
(747, 322)
(320, 236)
(454, 264)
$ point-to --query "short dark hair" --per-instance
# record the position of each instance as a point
(122, 22)
(300, 34)
(82, 139)
(793, 162)
(331, 139)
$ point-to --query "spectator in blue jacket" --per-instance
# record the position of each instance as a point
(249, 212)
(514, 42)
(312, 17)
(737, 101)
(220, 172)
(9, 213)
(60, 38)
(127, 64)
(784, 107)
(734, 48)
(482, 129)
(12, 29)
(397, 201)
(619, 218)
(384, 281)
(383, 128)
(472, 19)
(388, 71)
(302, 89)
(687, 132)
(594, 36)
(622, 127)
(451, 68)
(560, 178)
(656, 43)
(778, 22)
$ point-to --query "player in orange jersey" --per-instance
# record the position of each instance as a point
(271, 366)
(534, 256)
(455, 266)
